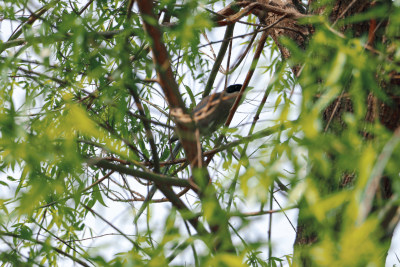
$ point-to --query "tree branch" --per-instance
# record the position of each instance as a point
(45, 244)
(218, 61)
(150, 176)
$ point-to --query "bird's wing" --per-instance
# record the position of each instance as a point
(215, 98)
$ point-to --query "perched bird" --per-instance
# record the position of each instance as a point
(209, 115)
(213, 110)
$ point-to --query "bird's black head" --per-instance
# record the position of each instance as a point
(233, 88)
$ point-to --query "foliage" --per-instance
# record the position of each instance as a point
(71, 83)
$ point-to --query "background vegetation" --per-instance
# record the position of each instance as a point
(91, 92)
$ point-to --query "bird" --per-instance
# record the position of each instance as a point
(209, 114)
(213, 110)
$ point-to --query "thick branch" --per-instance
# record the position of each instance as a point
(160, 56)
(290, 13)
(150, 176)
(220, 57)
(167, 81)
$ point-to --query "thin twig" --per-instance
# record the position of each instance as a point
(344, 12)
(114, 227)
